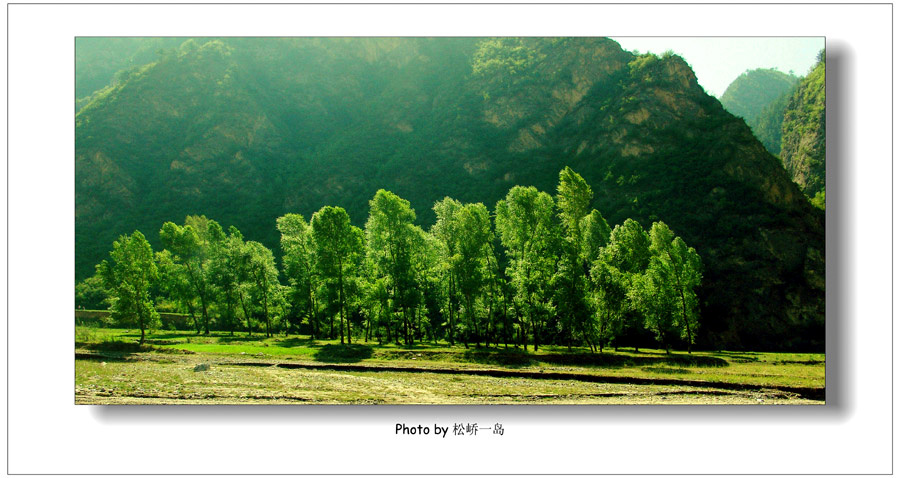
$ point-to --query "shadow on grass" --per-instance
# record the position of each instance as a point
(666, 370)
(295, 342)
(349, 353)
(227, 339)
(116, 348)
(507, 358)
(120, 349)
(611, 360)
(159, 335)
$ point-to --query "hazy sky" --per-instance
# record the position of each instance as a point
(718, 61)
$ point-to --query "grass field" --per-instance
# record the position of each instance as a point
(110, 368)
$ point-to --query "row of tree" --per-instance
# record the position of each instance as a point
(544, 270)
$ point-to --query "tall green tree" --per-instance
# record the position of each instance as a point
(573, 201)
(338, 246)
(299, 263)
(629, 254)
(680, 269)
(264, 280)
(652, 297)
(470, 264)
(190, 247)
(128, 275)
(228, 271)
(392, 245)
(530, 236)
(174, 282)
(595, 237)
(445, 229)
(609, 299)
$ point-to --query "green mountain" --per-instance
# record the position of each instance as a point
(803, 134)
(767, 126)
(246, 130)
(100, 59)
(754, 90)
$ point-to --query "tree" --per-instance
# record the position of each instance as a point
(90, 293)
(227, 271)
(445, 230)
(528, 233)
(392, 243)
(628, 253)
(470, 263)
(190, 247)
(174, 282)
(679, 269)
(299, 264)
(573, 200)
(652, 296)
(338, 247)
(595, 236)
(265, 287)
(128, 276)
(608, 298)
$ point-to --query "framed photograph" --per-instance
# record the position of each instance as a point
(449, 238)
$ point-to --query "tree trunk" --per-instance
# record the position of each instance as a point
(341, 298)
(196, 322)
(349, 332)
(205, 314)
(246, 315)
(266, 313)
(141, 322)
(450, 308)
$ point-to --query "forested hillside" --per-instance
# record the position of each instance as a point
(99, 60)
(803, 134)
(751, 92)
(753, 96)
(247, 130)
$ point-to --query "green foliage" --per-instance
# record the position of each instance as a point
(128, 276)
(394, 247)
(675, 273)
(504, 62)
(265, 290)
(90, 293)
(595, 236)
(339, 251)
(190, 247)
(299, 263)
(803, 133)
(573, 201)
(470, 264)
(527, 230)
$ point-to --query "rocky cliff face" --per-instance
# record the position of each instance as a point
(244, 131)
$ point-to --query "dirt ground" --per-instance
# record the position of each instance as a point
(173, 380)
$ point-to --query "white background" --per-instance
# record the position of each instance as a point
(48, 434)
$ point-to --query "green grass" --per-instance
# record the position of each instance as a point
(752, 369)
